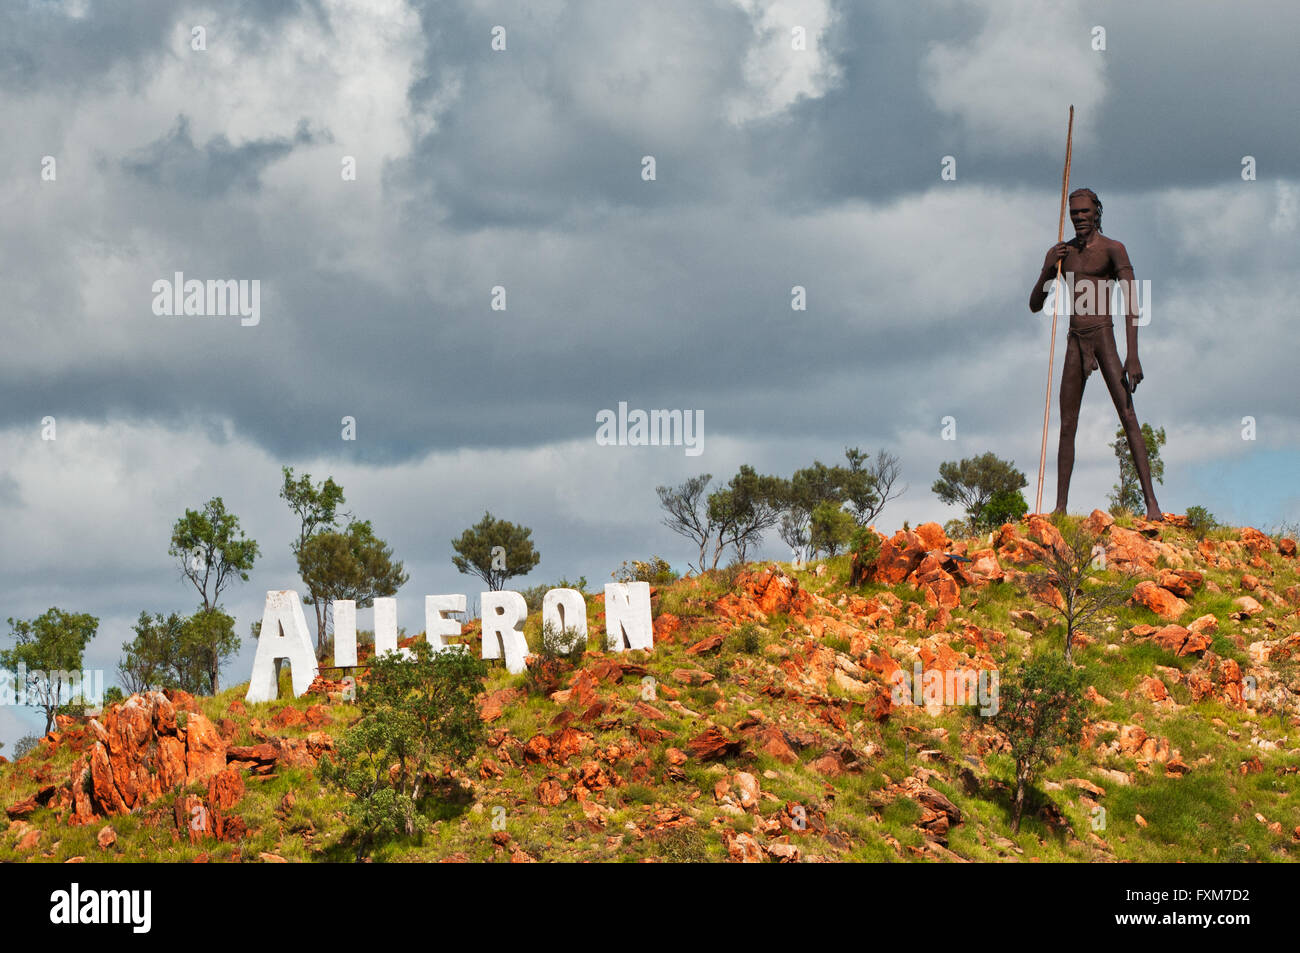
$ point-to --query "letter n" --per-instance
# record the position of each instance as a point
(627, 616)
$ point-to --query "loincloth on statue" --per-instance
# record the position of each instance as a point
(1089, 341)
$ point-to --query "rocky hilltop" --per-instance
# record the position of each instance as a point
(766, 726)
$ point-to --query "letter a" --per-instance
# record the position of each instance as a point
(283, 636)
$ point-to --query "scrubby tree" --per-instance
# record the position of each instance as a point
(535, 595)
(158, 656)
(656, 570)
(354, 564)
(1067, 580)
(1126, 496)
(1040, 709)
(687, 512)
(831, 528)
(1200, 521)
(416, 714)
(183, 652)
(317, 507)
(208, 640)
(51, 647)
(1006, 506)
(976, 481)
(796, 532)
(749, 505)
(808, 489)
(212, 550)
(495, 550)
(870, 483)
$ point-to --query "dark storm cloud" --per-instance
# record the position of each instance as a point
(1189, 92)
(43, 47)
(480, 172)
(673, 293)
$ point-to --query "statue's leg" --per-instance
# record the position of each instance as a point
(1072, 383)
(1112, 370)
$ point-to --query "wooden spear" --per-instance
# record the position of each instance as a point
(1056, 299)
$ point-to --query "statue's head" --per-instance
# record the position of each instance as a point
(1085, 210)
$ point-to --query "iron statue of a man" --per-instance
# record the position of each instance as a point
(1091, 264)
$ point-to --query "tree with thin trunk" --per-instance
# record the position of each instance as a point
(213, 553)
(1126, 495)
(975, 481)
(160, 656)
(741, 512)
(212, 550)
(495, 550)
(50, 647)
(1039, 710)
(881, 475)
(1068, 580)
(688, 515)
(354, 564)
(208, 642)
(317, 507)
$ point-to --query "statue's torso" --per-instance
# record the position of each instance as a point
(1092, 269)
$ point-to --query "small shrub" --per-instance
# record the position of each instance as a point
(747, 639)
(1200, 521)
(656, 570)
(958, 529)
(726, 578)
(418, 713)
(534, 595)
(1006, 506)
(839, 643)
(1040, 709)
(684, 845)
(567, 644)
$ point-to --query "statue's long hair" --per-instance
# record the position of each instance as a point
(1096, 202)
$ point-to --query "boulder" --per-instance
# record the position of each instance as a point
(899, 556)
(939, 586)
(1160, 601)
(1130, 551)
(205, 750)
(1097, 522)
(714, 744)
(1045, 533)
(742, 848)
(1182, 641)
(933, 537)
(225, 789)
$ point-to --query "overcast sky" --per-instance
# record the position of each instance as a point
(522, 168)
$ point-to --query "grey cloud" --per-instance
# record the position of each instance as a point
(174, 162)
